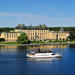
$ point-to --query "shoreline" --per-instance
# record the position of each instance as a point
(39, 44)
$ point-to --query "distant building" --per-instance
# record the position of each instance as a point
(35, 34)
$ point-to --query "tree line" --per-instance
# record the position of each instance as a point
(6, 29)
(23, 26)
(40, 26)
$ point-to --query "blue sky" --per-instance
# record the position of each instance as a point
(49, 12)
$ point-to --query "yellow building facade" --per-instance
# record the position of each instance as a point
(35, 35)
(10, 36)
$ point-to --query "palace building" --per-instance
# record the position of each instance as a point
(35, 35)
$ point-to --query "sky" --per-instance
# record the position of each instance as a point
(53, 13)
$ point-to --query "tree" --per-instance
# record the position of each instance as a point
(39, 26)
(44, 26)
(30, 27)
(23, 39)
(72, 35)
(2, 39)
(6, 29)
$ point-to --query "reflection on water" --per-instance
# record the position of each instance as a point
(43, 59)
(13, 61)
(56, 48)
(46, 47)
(5, 48)
(12, 48)
(72, 45)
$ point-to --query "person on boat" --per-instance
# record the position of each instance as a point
(39, 50)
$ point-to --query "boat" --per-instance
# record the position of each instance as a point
(48, 54)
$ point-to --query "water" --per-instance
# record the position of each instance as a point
(13, 61)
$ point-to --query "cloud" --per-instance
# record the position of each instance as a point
(12, 19)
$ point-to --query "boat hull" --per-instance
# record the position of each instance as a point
(44, 55)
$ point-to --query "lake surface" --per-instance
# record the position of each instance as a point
(13, 61)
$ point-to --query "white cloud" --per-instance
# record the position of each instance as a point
(12, 19)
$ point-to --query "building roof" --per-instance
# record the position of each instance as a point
(61, 29)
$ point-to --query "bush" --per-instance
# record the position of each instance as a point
(2, 39)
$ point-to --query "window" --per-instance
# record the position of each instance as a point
(10, 35)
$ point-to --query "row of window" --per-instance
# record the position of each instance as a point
(34, 31)
(37, 33)
(37, 37)
(11, 35)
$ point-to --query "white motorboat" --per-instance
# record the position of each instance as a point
(43, 54)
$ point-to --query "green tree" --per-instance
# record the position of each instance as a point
(6, 29)
(23, 39)
(44, 26)
(30, 27)
(72, 35)
(2, 39)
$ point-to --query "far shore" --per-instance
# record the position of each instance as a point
(38, 44)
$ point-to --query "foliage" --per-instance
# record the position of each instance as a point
(7, 29)
(2, 39)
(49, 41)
(23, 39)
(22, 26)
(40, 41)
(72, 35)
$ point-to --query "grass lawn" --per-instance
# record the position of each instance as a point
(8, 43)
(73, 41)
